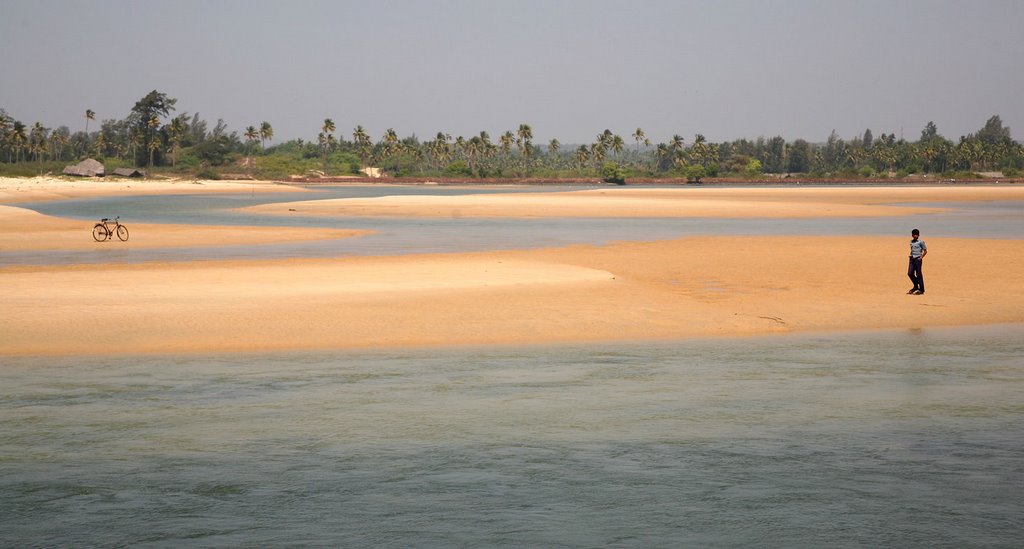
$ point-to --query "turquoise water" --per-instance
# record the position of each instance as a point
(404, 236)
(882, 439)
(887, 439)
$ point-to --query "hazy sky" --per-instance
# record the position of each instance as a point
(570, 69)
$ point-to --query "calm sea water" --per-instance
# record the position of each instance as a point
(888, 439)
(883, 439)
(403, 236)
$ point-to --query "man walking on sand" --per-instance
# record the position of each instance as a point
(918, 250)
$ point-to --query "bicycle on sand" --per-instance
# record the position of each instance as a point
(103, 230)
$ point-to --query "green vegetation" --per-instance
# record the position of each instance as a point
(612, 173)
(184, 145)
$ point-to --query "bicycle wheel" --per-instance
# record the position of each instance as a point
(122, 233)
(99, 233)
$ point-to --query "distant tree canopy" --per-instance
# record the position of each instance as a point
(149, 136)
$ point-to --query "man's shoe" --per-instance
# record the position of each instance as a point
(912, 290)
(918, 292)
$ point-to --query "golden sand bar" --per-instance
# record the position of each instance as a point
(627, 291)
(821, 202)
(27, 230)
(688, 287)
(32, 189)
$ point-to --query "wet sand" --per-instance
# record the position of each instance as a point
(26, 230)
(31, 189)
(689, 287)
(775, 202)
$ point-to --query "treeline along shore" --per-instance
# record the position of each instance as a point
(156, 137)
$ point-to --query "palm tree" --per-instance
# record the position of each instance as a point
(597, 154)
(506, 141)
(89, 115)
(57, 142)
(326, 139)
(663, 153)
(177, 133)
(582, 156)
(639, 136)
(460, 147)
(617, 144)
(439, 150)
(329, 126)
(4, 137)
(391, 143)
(266, 133)
(18, 139)
(154, 142)
(553, 147)
(524, 135)
(37, 142)
(251, 134)
(363, 143)
(676, 144)
(487, 148)
(699, 149)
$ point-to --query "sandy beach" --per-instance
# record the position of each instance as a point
(30, 189)
(772, 202)
(687, 287)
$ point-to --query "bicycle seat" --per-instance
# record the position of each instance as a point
(104, 220)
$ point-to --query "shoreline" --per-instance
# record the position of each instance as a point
(15, 190)
(683, 288)
(733, 202)
(629, 291)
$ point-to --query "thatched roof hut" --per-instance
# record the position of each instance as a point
(129, 172)
(86, 168)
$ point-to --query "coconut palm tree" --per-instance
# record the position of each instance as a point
(487, 148)
(251, 134)
(328, 127)
(582, 156)
(699, 149)
(663, 153)
(154, 142)
(37, 142)
(154, 146)
(363, 143)
(89, 115)
(19, 140)
(5, 123)
(326, 138)
(438, 149)
(523, 136)
(676, 144)
(617, 144)
(460, 147)
(176, 129)
(266, 133)
(506, 140)
(553, 146)
(639, 137)
(391, 144)
(57, 141)
(598, 153)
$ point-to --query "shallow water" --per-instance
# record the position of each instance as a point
(897, 439)
(892, 439)
(404, 236)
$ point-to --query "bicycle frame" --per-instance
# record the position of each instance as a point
(102, 231)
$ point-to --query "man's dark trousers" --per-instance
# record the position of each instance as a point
(915, 274)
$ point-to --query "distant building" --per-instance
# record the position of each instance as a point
(86, 168)
(129, 172)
